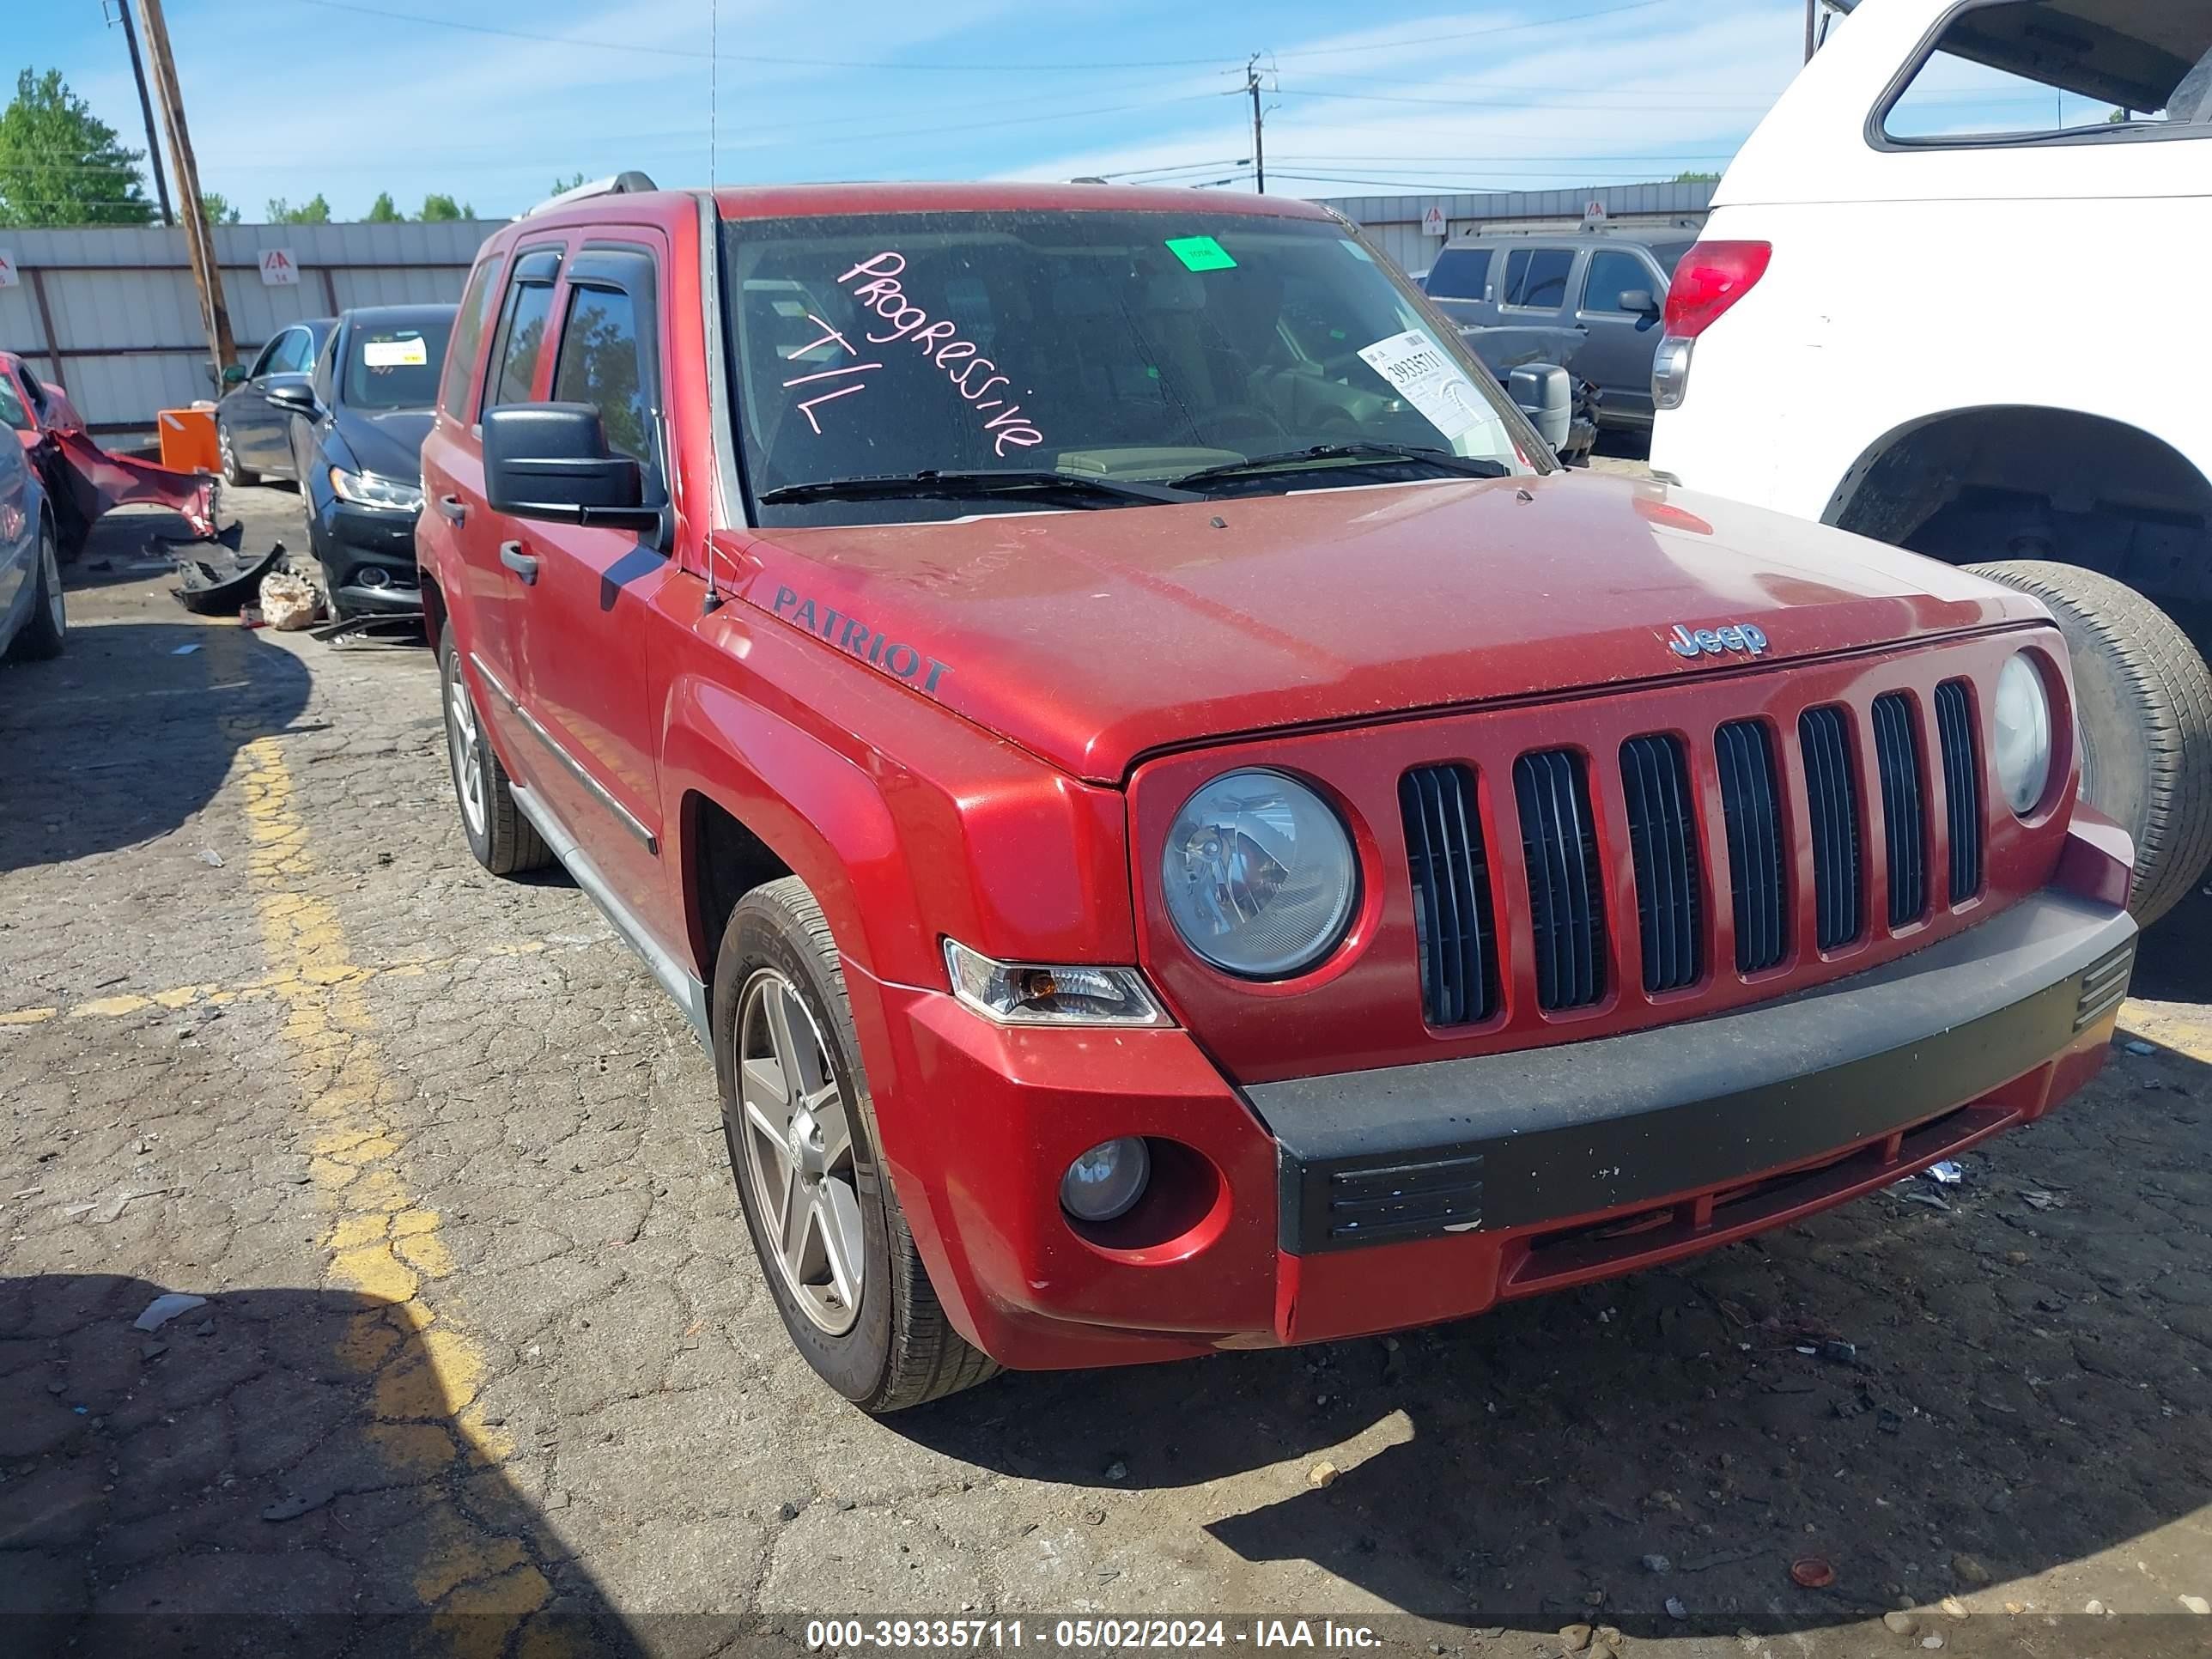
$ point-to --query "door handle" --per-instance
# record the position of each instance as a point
(524, 565)
(455, 510)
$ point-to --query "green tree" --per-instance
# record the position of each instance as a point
(383, 211)
(570, 183)
(316, 211)
(1697, 178)
(62, 165)
(217, 207)
(437, 209)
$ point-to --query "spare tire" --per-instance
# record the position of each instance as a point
(2143, 704)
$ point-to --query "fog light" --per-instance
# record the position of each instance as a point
(1106, 1180)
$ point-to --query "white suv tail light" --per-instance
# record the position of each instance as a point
(1712, 277)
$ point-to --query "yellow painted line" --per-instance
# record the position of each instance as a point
(184, 996)
(2178, 1026)
(426, 1370)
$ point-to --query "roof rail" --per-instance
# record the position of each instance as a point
(621, 184)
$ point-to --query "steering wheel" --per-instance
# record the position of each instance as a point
(1263, 421)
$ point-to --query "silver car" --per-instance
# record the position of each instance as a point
(33, 616)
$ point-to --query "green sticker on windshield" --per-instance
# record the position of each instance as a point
(1199, 253)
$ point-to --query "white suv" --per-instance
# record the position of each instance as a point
(1944, 300)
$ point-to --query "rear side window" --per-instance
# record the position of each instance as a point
(1538, 276)
(468, 335)
(600, 364)
(1460, 273)
(2053, 72)
(521, 340)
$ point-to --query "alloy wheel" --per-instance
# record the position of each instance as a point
(465, 742)
(798, 1139)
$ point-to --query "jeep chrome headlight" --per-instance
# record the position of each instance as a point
(1259, 874)
(2022, 719)
(1028, 993)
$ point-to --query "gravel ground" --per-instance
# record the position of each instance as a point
(484, 1363)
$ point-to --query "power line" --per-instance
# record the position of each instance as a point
(687, 54)
(1479, 103)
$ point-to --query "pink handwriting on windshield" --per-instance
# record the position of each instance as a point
(973, 375)
(807, 406)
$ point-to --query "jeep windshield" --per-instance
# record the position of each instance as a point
(1202, 349)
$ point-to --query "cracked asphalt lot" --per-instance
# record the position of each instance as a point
(486, 1365)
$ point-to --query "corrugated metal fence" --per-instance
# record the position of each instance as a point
(112, 315)
(1394, 222)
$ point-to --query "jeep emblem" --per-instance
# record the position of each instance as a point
(1712, 642)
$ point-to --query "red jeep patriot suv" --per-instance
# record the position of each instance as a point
(1183, 828)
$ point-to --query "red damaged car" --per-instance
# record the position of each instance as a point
(1183, 828)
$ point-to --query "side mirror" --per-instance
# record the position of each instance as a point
(551, 461)
(1639, 300)
(234, 375)
(296, 395)
(1544, 393)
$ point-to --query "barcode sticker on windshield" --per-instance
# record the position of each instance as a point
(394, 354)
(1425, 378)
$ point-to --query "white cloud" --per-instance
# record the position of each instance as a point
(1508, 107)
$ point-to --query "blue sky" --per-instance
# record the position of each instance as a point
(288, 98)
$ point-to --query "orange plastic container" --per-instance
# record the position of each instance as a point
(188, 439)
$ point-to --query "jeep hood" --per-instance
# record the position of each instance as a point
(1093, 638)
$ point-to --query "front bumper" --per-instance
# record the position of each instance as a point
(367, 557)
(1333, 1206)
(1532, 1136)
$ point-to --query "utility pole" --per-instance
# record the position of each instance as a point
(1259, 146)
(145, 108)
(199, 238)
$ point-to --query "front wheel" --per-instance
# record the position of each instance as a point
(833, 1242)
(42, 635)
(2143, 711)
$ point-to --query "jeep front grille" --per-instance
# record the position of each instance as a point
(1751, 807)
(1570, 826)
(1962, 786)
(1452, 907)
(1831, 800)
(1663, 841)
(1566, 885)
(1897, 756)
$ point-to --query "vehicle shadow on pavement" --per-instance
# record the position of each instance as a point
(129, 734)
(237, 1480)
(1937, 1390)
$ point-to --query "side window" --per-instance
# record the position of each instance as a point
(522, 339)
(1460, 273)
(468, 335)
(12, 412)
(601, 364)
(291, 356)
(2029, 70)
(266, 363)
(1613, 274)
(1538, 276)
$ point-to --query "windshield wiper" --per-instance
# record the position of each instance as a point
(1363, 452)
(932, 484)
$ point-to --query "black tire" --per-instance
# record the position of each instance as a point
(504, 842)
(41, 636)
(338, 609)
(226, 455)
(900, 1350)
(2144, 702)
